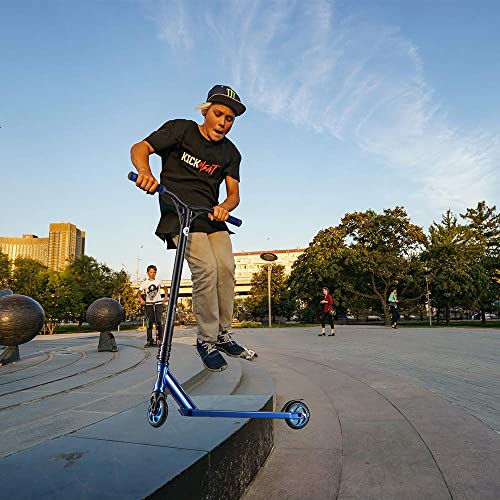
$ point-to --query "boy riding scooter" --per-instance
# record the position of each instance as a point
(196, 159)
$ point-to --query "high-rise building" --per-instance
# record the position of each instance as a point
(64, 243)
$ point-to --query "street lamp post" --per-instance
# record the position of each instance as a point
(138, 260)
(269, 257)
(428, 294)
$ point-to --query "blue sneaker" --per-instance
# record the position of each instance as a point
(226, 344)
(210, 356)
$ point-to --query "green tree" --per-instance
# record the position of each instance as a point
(320, 265)
(484, 222)
(60, 298)
(383, 253)
(450, 257)
(125, 294)
(5, 275)
(26, 277)
(257, 302)
(94, 281)
(359, 260)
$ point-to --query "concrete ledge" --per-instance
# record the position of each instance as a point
(74, 424)
(123, 457)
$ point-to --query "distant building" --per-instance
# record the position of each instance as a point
(247, 264)
(64, 244)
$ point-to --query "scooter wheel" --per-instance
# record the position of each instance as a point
(297, 407)
(157, 411)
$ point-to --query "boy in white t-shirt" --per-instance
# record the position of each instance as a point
(154, 304)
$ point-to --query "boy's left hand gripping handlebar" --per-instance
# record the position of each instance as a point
(163, 190)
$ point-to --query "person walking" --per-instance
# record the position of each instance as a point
(196, 160)
(327, 314)
(393, 307)
(151, 288)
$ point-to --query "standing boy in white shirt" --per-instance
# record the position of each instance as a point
(154, 304)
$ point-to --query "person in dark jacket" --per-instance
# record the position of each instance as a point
(327, 314)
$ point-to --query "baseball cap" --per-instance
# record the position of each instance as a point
(223, 94)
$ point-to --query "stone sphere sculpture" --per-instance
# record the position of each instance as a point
(105, 314)
(21, 319)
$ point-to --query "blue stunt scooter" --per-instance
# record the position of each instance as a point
(295, 413)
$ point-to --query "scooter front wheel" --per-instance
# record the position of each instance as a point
(297, 407)
(158, 410)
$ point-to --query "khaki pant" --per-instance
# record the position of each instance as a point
(211, 261)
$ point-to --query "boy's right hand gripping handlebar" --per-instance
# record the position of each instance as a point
(163, 190)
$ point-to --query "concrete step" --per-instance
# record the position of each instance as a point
(223, 383)
(54, 400)
(255, 379)
(87, 436)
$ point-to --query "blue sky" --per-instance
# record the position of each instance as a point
(351, 106)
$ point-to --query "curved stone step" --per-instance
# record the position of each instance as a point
(123, 457)
(93, 440)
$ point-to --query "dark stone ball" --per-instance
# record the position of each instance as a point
(21, 319)
(5, 292)
(105, 314)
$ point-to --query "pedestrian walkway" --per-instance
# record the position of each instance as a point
(406, 414)
(392, 414)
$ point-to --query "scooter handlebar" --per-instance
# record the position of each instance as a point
(163, 190)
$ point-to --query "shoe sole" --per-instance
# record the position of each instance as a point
(221, 369)
(221, 349)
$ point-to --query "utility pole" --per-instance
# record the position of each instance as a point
(428, 304)
(269, 257)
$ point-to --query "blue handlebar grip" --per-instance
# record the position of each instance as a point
(163, 190)
(234, 221)
(160, 189)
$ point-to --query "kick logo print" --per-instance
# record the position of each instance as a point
(202, 166)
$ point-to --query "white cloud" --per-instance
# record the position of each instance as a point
(347, 77)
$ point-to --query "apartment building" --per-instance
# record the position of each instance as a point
(64, 243)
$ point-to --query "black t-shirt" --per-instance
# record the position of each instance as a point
(193, 168)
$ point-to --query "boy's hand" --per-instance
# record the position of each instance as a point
(147, 182)
(220, 214)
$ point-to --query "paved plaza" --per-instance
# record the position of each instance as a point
(395, 414)
(462, 365)
(411, 413)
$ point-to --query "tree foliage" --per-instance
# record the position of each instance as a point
(26, 277)
(257, 302)
(59, 297)
(359, 260)
(125, 294)
(5, 275)
(484, 225)
(451, 257)
(94, 281)
(321, 265)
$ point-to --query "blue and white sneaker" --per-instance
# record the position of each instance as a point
(210, 356)
(226, 344)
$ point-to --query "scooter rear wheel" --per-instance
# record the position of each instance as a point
(297, 407)
(158, 410)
